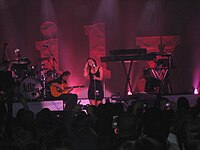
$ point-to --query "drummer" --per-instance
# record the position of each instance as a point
(20, 65)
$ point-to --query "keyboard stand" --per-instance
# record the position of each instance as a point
(127, 74)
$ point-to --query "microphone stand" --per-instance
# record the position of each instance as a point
(53, 58)
(96, 92)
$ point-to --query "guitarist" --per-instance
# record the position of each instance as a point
(60, 86)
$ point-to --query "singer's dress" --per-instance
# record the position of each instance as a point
(95, 90)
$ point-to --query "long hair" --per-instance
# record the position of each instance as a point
(95, 62)
(65, 73)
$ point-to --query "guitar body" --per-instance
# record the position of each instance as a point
(57, 89)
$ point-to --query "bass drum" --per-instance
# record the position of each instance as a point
(30, 88)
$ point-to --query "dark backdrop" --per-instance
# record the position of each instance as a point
(20, 22)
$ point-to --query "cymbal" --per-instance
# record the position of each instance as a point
(20, 61)
(44, 58)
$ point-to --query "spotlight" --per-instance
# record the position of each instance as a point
(196, 91)
(130, 93)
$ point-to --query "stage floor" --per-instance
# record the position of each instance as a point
(59, 105)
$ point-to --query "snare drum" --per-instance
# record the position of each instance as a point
(30, 88)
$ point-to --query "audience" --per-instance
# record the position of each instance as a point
(126, 131)
(144, 125)
(155, 131)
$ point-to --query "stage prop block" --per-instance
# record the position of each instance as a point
(53, 105)
(191, 97)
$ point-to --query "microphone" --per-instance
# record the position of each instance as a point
(45, 45)
(93, 65)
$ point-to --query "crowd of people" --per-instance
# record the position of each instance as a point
(143, 125)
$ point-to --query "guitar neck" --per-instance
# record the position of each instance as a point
(64, 87)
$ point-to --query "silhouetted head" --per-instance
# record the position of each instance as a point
(183, 103)
(92, 62)
(66, 73)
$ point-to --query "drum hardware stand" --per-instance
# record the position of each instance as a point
(43, 79)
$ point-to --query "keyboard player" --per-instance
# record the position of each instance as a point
(152, 85)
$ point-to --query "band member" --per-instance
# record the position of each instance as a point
(152, 84)
(6, 86)
(59, 89)
(20, 65)
(95, 74)
(59, 86)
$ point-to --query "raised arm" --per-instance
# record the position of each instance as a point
(86, 70)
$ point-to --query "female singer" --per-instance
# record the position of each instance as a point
(95, 74)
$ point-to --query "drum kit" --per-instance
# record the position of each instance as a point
(33, 80)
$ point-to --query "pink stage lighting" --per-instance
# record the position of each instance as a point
(196, 91)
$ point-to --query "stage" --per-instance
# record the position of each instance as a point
(66, 102)
(60, 105)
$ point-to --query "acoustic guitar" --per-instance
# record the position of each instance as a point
(57, 89)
